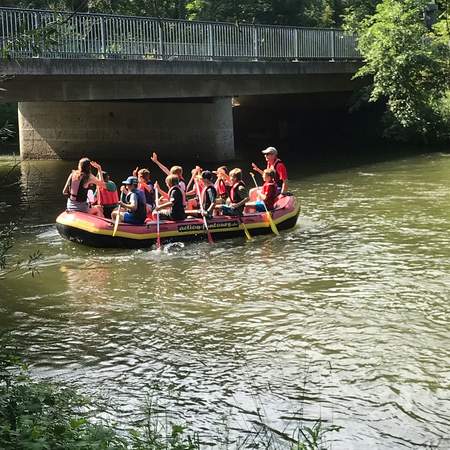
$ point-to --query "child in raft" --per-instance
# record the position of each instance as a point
(146, 186)
(77, 186)
(238, 195)
(208, 195)
(173, 208)
(174, 170)
(222, 183)
(134, 206)
(268, 193)
(107, 197)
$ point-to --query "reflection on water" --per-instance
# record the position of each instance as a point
(345, 317)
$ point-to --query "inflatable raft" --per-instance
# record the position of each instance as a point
(98, 232)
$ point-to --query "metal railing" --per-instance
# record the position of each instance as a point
(29, 33)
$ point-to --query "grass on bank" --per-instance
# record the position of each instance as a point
(37, 415)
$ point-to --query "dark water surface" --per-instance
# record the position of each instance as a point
(346, 317)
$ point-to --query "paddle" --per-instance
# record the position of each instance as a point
(247, 234)
(269, 216)
(158, 236)
(210, 239)
(116, 223)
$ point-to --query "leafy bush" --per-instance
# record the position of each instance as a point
(38, 415)
(409, 65)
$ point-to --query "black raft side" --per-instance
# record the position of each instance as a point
(79, 236)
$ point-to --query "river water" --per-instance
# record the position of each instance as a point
(346, 317)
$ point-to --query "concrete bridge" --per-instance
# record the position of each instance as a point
(111, 86)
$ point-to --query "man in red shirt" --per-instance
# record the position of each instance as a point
(273, 162)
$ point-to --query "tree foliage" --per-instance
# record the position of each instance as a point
(409, 65)
(319, 13)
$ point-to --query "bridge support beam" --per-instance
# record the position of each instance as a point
(127, 130)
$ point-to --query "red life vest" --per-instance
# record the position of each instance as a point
(277, 179)
(108, 198)
(222, 188)
(270, 190)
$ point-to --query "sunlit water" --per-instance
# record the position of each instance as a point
(345, 317)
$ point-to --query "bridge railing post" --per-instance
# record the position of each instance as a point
(255, 43)
(36, 25)
(102, 37)
(332, 46)
(3, 30)
(160, 39)
(296, 55)
(210, 42)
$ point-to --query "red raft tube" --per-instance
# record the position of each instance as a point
(90, 230)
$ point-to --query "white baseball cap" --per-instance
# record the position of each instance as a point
(270, 150)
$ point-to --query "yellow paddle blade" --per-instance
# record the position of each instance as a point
(247, 234)
(116, 223)
(272, 224)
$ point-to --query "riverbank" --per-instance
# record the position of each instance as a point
(44, 414)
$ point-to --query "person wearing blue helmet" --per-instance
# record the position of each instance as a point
(134, 205)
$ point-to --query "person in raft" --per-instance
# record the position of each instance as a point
(107, 197)
(173, 209)
(208, 194)
(77, 185)
(238, 195)
(134, 204)
(275, 163)
(222, 184)
(268, 194)
(174, 170)
(146, 186)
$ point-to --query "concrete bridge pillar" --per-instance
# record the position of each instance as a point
(127, 130)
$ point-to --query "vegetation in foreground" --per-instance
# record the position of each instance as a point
(42, 415)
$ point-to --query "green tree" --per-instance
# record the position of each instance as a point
(409, 66)
(282, 12)
(354, 12)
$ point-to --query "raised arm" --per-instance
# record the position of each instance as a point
(154, 158)
(256, 168)
(93, 179)
(194, 172)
